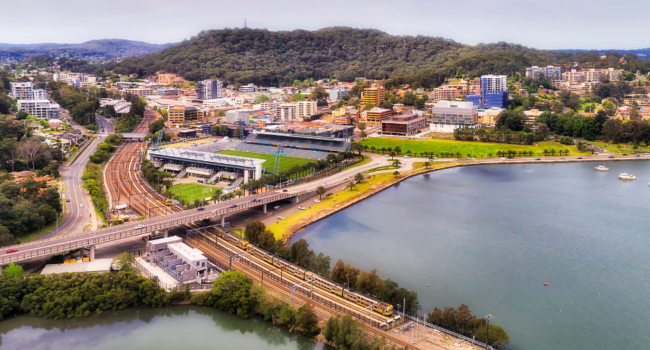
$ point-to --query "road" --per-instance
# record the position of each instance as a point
(79, 210)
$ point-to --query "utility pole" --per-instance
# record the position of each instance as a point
(487, 331)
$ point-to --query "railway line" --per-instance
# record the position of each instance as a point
(125, 181)
(325, 304)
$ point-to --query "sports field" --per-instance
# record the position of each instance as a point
(286, 163)
(476, 149)
(190, 192)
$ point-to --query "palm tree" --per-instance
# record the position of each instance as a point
(427, 165)
(392, 154)
(217, 194)
(358, 177)
(239, 193)
(490, 155)
(396, 173)
(372, 149)
(351, 185)
(320, 191)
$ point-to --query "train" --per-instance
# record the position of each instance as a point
(319, 281)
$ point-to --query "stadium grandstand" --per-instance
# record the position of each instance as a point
(299, 146)
(214, 146)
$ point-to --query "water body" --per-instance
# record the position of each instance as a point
(491, 236)
(147, 328)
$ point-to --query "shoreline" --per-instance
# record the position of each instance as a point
(406, 175)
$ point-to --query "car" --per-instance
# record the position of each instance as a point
(280, 217)
(407, 157)
(434, 158)
(200, 181)
(285, 190)
(638, 155)
(81, 205)
(503, 159)
(276, 207)
(317, 200)
(67, 200)
(510, 157)
(301, 208)
(139, 227)
(624, 154)
(611, 156)
(200, 208)
(537, 159)
(579, 157)
(343, 188)
(329, 194)
(11, 250)
(386, 155)
(233, 206)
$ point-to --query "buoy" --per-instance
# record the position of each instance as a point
(546, 284)
(428, 285)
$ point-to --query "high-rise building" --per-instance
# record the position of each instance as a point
(549, 72)
(373, 95)
(306, 109)
(209, 89)
(23, 90)
(493, 92)
(288, 111)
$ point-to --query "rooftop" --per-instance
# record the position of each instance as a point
(99, 265)
(207, 157)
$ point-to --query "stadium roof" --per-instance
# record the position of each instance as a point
(207, 157)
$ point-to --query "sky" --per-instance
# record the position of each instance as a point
(550, 24)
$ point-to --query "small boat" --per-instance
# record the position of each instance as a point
(625, 176)
(602, 168)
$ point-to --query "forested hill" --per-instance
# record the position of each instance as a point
(94, 49)
(275, 58)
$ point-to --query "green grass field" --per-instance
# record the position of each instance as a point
(286, 163)
(190, 192)
(619, 148)
(476, 149)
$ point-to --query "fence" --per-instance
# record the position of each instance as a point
(446, 331)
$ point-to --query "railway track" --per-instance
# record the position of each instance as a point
(125, 181)
(272, 282)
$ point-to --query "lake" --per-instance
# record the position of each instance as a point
(491, 236)
(179, 327)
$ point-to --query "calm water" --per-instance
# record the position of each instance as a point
(146, 328)
(491, 236)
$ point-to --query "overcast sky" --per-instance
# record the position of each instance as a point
(550, 24)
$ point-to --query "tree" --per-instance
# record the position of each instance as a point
(498, 337)
(396, 173)
(320, 191)
(125, 261)
(513, 120)
(216, 195)
(223, 130)
(214, 129)
(232, 293)
(30, 150)
(351, 185)
(253, 231)
(320, 264)
(358, 177)
(267, 241)
(12, 270)
(307, 319)
(427, 165)
(300, 251)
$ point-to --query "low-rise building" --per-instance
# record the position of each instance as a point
(549, 72)
(140, 91)
(403, 125)
(181, 114)
(376, 115)
(249, 88)
(337, 94)
(237, 115)
(449, 115)
(41, 109)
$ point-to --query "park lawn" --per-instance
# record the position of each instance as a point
(191, 192)
(286, 163)
(474, 148)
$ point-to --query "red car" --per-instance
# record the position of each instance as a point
(12, 250)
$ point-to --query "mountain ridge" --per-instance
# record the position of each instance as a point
(100, 49)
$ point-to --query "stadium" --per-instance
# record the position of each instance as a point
(237, 161)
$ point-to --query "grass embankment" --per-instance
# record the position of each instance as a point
(330, 204)
(618, 148)
(191, 192)
(286, 163)
(475, 149)
(381, 168)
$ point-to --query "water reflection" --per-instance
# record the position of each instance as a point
(167, 328)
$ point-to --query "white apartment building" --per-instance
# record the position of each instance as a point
(78, 79)
(593, 75)
(493, 84)
(549, 72)
(237, 115)
(288, 111)
(39, 94)
(337, 94)
(269, 106)
(23, 90)
(41, 109)
(306, 109)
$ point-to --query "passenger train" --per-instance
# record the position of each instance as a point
(319, 281)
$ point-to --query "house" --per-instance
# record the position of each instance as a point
(73, 136)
